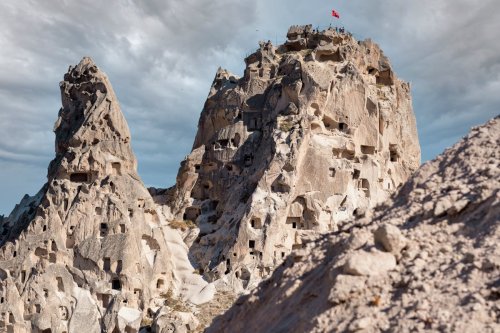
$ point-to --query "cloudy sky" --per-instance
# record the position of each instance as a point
(161, 57)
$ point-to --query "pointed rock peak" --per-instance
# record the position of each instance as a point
(86, 64)
(93, 236)
(90, 129)
(88, 102)
(223, 74)
(223, 79)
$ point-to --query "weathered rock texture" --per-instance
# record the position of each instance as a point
(90, 252)
(316, 131)
(429, 260)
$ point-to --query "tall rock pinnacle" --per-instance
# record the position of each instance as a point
(90, 253)
(92, 135)
(317, 130)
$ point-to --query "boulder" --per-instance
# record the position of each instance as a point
(390, 238)
(364, 263)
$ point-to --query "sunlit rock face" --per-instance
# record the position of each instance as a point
(89, 252)
(427, 260)
(317, 130)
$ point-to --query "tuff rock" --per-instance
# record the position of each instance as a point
(446, 279)
(390, 238)
(317, 130)
(90, 252)
(369, 263)
(285, 170)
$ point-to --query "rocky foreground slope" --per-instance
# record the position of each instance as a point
(90, 252)
(428, 260)
(317, 130)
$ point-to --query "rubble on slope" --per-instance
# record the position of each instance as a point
(440, 240)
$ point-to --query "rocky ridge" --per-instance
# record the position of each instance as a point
(427, 261)
(90, 252)
(317, 130)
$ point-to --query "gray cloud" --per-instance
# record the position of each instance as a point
(161, 57)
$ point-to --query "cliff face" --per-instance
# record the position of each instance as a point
(316, 131)
(427, 261)
(90, 252)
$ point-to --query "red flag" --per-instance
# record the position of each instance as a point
(335, 14)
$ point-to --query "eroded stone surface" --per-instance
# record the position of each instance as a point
(445, 281)
(90, 252)
(316, 131)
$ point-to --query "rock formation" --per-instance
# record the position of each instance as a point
(316, 131)
(428, 260)
(90, 252)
